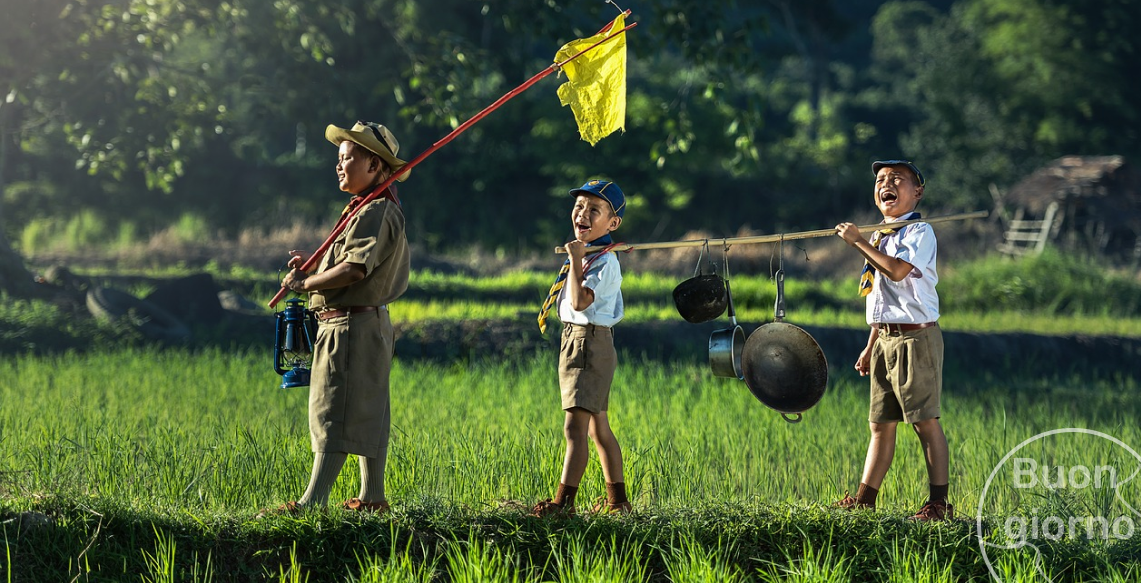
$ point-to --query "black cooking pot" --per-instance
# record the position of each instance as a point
(726, 347)
(701, 298)
(783, 365)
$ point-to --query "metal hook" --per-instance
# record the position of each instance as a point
(615, 4)
(778, 307)
(780, 253)
(805, 251)
(700, 256)
(725, 256)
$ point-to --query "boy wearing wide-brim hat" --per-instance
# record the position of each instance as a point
(904, 353)
(364, 270)
(588, 292)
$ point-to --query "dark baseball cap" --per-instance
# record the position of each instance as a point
(606, 190)
(910, 165)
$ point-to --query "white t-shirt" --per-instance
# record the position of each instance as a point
(913, 299)
(604, 278)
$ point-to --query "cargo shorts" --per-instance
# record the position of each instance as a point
(587, 361)
(906, 376)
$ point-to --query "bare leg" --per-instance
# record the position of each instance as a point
(881, 450)
(935, 450)
(609, 452)
(575, 429)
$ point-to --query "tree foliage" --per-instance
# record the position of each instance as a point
(761, 114)
(994, 88)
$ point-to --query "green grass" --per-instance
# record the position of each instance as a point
(412, 311)
(1023, 292)
(1050, 283)
(1048, 294)
(159, 454)
(31, 326)
(137, 463)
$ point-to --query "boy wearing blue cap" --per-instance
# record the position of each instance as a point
(904, 353)
(588, 292)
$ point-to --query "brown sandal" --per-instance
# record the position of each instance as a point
(550, 508)
(850, 503)
(935, 511)
(291, 508)
(603, 506)
(358, 505)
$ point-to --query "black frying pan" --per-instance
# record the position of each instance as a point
(783, 365)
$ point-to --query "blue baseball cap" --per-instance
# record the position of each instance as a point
(910, 166)
(606, 190)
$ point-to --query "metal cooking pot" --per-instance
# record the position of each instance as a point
(783, 365)
(727, 346)
(702, 297)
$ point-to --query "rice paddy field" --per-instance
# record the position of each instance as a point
(138, 463)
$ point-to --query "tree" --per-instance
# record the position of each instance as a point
(1069, 68)
(30, 42)
(994, 88)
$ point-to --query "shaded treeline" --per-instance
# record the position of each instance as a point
(122, 117)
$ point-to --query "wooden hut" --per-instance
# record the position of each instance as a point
(1088, 203)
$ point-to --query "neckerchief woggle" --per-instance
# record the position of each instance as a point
(867, 274)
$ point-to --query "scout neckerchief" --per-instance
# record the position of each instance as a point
(561, 280)
(867, 276)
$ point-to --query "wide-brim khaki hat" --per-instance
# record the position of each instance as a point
(375, 138)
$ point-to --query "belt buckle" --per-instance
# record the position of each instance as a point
(888, 328)
(330, 313)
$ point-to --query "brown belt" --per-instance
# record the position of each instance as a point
(587, 327)
(889, 328)
(337, 313)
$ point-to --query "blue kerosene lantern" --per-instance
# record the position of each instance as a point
(293, 352)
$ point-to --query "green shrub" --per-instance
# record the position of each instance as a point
(1050, 283)
(191, 228)
(37, 326)
(82, 231)
(127, 236)
(35, 236)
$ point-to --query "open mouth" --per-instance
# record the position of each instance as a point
(582, 227)
(888, 196)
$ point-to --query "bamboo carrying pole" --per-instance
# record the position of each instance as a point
(383, 187)
(730, 241)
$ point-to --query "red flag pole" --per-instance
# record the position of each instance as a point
(320, 252)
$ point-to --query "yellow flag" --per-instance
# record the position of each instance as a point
(596, 82)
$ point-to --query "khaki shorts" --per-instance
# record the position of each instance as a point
(907, 376)
(587, 361)
(348, 389)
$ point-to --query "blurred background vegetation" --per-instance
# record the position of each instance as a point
(123, 118)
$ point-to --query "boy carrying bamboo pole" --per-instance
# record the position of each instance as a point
(904, 353)
(589, 297)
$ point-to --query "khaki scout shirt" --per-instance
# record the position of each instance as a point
(374, 238)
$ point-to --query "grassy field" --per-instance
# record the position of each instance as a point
(1048, 294)
(151, 464)
(125, 462)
